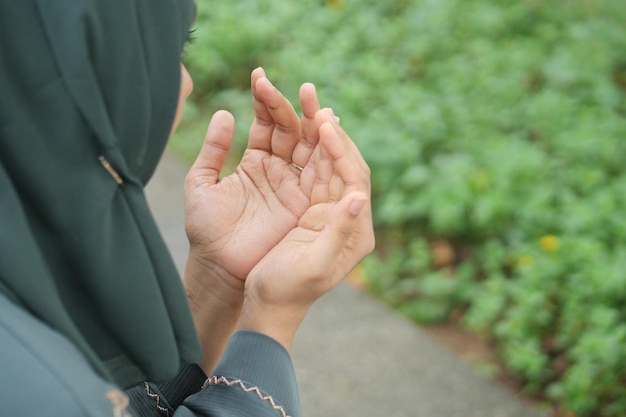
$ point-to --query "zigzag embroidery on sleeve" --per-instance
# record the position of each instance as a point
(214, 380)
(155, 397)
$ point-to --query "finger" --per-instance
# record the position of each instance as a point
(335, 188)
(309, 174)
(217, 142)
(328, 186)
(346, 158)
(276, 127)
(263, 125)
(309, 136)
(324, 173)
(256, 74)
(339, 230)
(344, 139)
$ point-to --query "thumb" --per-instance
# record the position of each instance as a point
(217, 142)
(341, 225)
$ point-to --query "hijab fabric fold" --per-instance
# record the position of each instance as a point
(89, 91)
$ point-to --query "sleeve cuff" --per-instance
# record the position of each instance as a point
(188, 381)
(264, 363)
(254, 377)
(153, 399)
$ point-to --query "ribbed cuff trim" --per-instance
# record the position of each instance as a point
(262, 362)
(188, 381)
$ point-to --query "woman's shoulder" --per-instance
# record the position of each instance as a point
(43, 374)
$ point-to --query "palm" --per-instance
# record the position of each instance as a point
(235, 221)
(245, 214)
(331, 235)
(297, 255)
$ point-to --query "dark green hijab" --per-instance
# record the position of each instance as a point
(88, 93)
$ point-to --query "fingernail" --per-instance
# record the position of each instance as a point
(331, 116)
(337, 120)
(357, 206)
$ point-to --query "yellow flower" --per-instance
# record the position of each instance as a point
(549, 243)
(525, 261)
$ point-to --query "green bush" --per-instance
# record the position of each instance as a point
(494, 128)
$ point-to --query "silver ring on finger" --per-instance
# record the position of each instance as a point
(296, 166)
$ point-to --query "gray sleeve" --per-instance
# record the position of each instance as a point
(255, 378)
(43, 374)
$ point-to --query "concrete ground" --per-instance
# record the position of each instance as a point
(355, 357)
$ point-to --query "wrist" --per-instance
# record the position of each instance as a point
(205, 280)
(279, 322)
(215, 299)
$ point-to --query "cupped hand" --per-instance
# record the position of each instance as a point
(233, 222)
(330, 238)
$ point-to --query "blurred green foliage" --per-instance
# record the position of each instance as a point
(496, 136)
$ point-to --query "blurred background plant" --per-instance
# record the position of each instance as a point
(495, 131)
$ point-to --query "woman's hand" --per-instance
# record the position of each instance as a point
(330, 238)
(233, 223)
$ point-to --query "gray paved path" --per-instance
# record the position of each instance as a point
(354, 357)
